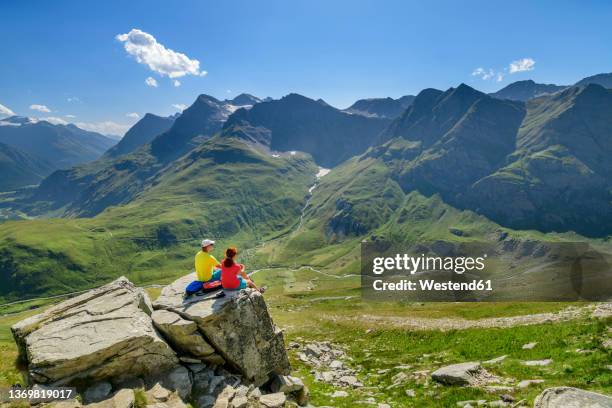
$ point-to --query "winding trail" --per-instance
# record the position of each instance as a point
(602, 310)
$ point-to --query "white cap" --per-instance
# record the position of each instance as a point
(207, 242)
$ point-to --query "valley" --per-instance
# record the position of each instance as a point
(297, 185)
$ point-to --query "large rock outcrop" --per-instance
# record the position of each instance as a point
(209, 350)
(102, 334)
(569, 397)
(239, 328)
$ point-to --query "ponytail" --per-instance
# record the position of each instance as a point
(230, 253)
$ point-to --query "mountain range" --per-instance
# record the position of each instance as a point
(529, 89)
(454, 165)
(298, 123)
(39, 147)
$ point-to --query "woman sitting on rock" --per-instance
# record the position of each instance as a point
(233, 276)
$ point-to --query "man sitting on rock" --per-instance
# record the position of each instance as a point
(207, 269)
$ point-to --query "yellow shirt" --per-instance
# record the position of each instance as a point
(204, 265)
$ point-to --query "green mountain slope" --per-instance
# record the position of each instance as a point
(89, 189)
(19, 169)
(225, 189)
(559, 178)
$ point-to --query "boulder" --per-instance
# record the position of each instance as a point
(239, 328)
(569, 397)
(122, 399)
(275, 400)
(286, 384)
(461, 374)
(240, 402)
(104, 333)
(182, 334)
(97, 392)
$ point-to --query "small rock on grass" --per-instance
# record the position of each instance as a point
(533, 363)
(471, 403)
(527, 383)
(529, 346)
(495, 360)
(340, 394)
(410, 393)
(458, 374)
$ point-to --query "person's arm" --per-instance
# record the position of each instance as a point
(217, 263)
(246, 277)
(243, 271)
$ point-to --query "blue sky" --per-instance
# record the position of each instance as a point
(67, 56)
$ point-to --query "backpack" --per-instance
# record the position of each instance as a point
(204, 287)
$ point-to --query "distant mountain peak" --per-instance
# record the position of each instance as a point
(466, 90)
(143, 131)
(604, 80)
(244, 99)
(204, 98)
(525, 90)
(385, 107)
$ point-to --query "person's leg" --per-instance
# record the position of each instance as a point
(216, 275)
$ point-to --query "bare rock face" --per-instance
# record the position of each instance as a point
(239, 328)
(102, 334)
(569, 397)
(184, 336)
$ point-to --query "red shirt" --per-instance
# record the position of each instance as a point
(229, 276)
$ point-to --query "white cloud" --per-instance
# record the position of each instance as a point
(70, 116)
(55, 120)
(40, 108)
(179, 106)
(73, 99)
(132, 115)
(150, 81)
(5, 111)
(522, 65)
(164, 61)
(176, 83)
(484, 74)
(106, 127)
